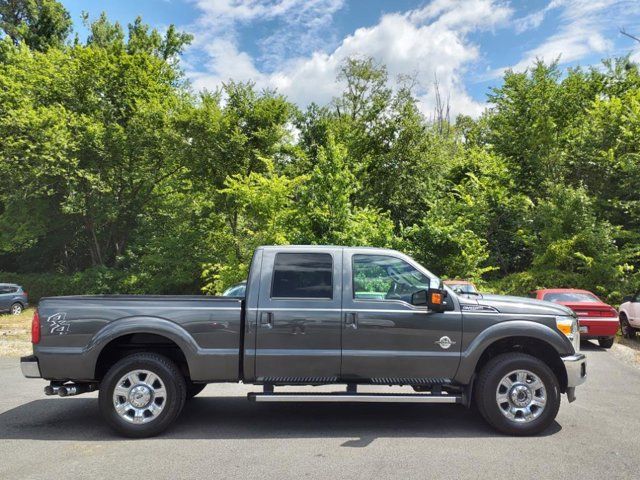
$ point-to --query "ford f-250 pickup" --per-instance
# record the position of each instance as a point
(313, 315)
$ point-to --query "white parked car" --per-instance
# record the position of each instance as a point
(630, 315)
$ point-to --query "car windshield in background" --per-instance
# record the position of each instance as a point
(462, 287)
(570, 297)
(235, 290)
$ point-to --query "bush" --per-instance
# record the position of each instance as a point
(93, 281)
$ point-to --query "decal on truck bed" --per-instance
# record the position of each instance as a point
(57, 324)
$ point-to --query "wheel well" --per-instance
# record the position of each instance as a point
(139, 342)
(532, 346)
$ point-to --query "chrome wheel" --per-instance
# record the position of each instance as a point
(139, 396)
(521, 396)
(16, 309)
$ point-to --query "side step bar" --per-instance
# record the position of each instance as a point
(347, 397)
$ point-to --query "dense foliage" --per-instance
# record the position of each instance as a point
(117, 177)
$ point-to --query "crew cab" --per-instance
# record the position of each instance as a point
(596, 319)
(629, 314)
(313, 315)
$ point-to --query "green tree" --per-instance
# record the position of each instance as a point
(40, 24)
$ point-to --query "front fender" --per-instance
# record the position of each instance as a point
(499, 331)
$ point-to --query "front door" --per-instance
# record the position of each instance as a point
(299, 321)
(386, 339)
(5, 298)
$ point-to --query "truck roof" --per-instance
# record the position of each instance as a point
(321, 247)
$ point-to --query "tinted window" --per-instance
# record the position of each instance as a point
(570, 297)
(302, 275)
(378, 277)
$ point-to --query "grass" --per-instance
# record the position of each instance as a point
(15, 334)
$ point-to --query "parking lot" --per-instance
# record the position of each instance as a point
(221, 435)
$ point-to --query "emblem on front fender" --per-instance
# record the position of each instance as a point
(445, 342)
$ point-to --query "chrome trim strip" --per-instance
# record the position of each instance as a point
(285, 309)
(599, 319)
(338, 397)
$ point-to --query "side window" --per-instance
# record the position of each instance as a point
(637, 297)
(4, 290)
(302, 275)
(379, 277)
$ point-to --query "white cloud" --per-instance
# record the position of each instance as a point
(585, 29)
(535, 19)
(425, 42)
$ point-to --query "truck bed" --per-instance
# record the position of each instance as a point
(76, 329)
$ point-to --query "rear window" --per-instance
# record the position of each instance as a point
(303, 275)
(570, 297)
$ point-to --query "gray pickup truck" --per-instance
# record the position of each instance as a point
(313, 315)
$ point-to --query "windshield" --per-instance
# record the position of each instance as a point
(570, 297)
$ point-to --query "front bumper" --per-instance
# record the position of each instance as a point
(30, 367)
(576, 367)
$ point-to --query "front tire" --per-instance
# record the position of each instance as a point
(605, 342)
(518, 394)
(16, 308)
(142, 395)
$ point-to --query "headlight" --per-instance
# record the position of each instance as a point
(569, 326)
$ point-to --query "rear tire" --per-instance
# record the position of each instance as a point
(518, 394)
(605, 342)
(16, 308)
(142, 395)
(625, 328)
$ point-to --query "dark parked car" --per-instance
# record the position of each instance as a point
(13, 298)
(313, 315)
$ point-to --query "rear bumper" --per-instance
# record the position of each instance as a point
(598, 327)
(30, 367)
(576, 367)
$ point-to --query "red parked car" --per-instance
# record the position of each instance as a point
(597, 320)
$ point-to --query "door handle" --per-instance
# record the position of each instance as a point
(266, 319)
(351, 320)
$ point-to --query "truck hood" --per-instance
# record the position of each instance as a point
(517, 305)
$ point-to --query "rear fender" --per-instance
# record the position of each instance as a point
(143, 324)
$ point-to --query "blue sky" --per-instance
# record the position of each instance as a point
(296, 46)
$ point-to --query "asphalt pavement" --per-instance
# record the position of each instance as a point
(222, 435)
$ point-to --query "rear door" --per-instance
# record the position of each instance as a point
(386, 339)
(298, 316)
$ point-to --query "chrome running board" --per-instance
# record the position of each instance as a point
(354, 398)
